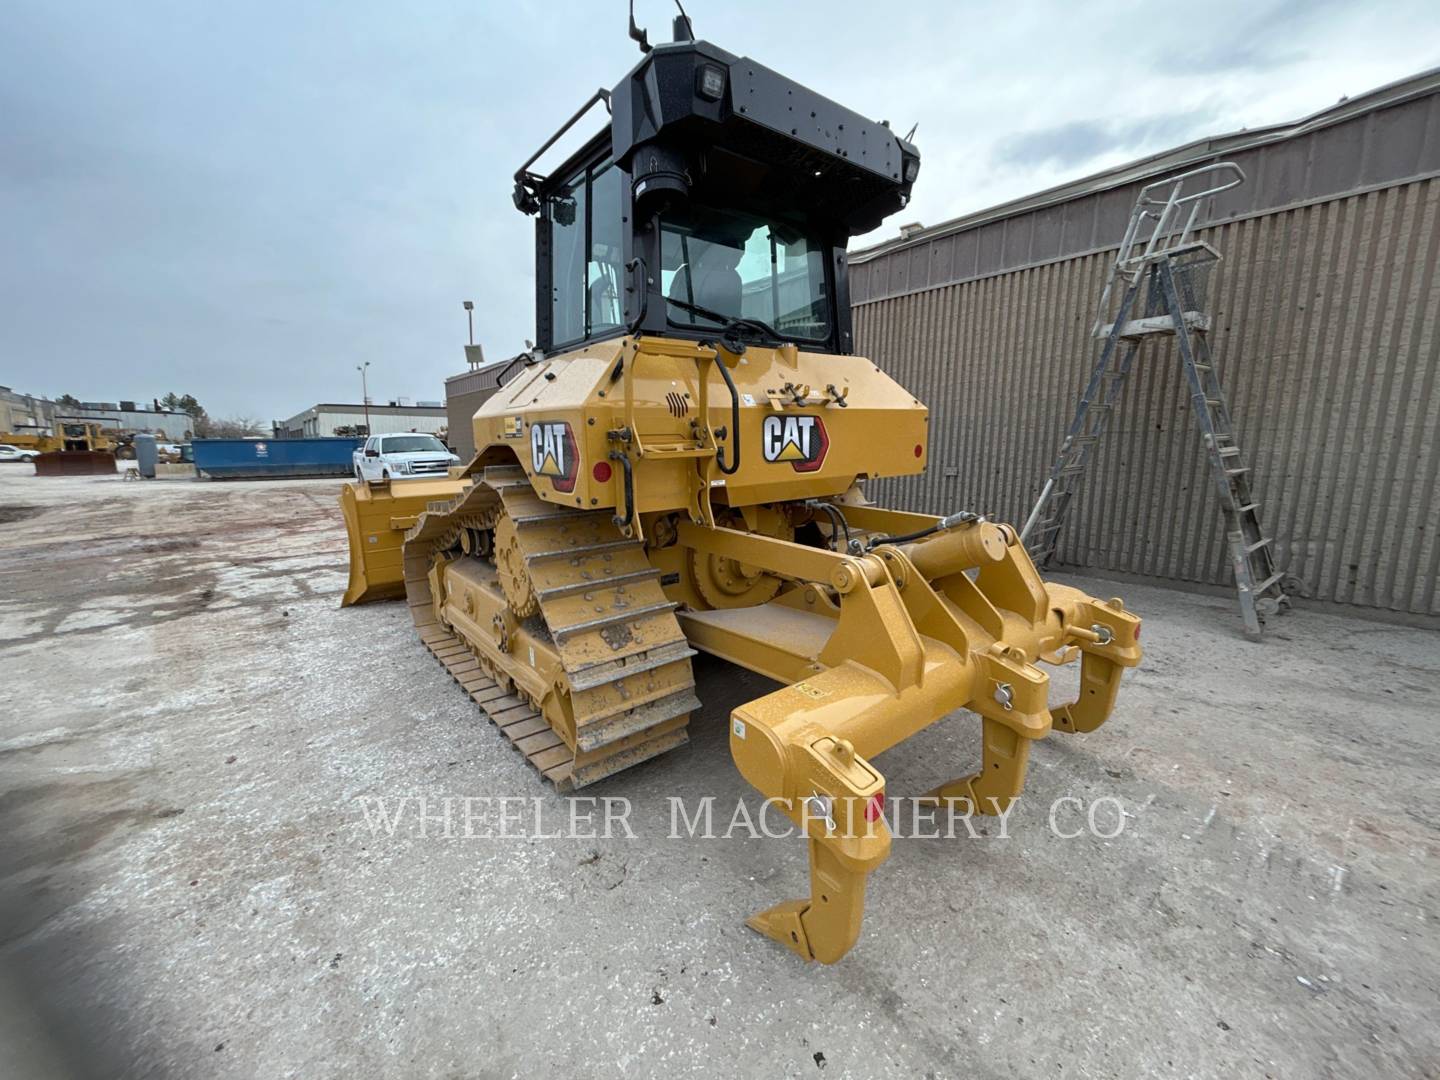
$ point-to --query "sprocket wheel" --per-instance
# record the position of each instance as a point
(514, 577)
(729, 583)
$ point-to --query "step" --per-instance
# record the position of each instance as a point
(1264, 542)
(1134, 329)
(1273, 579)
(539, 516)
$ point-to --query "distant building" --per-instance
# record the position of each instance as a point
(464, 394)
(129, 416)
(24, 413)
(330, 419)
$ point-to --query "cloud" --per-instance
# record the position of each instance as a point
(1079, 141)
(1263, 41)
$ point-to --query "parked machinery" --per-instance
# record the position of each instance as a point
(77, 447)
(679, 465)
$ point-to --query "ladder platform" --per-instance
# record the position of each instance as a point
(1156, 324)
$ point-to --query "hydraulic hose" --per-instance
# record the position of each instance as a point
(962, 518)
(837, 520)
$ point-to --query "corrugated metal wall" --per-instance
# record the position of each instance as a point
(464, 394)
(1325, 332)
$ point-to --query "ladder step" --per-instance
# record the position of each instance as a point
(1264, 542)
(1215, 403)
(1229, 451)
(1237, 471)
(1271, 580)
(1247, 508)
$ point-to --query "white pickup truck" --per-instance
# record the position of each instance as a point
(385, 457)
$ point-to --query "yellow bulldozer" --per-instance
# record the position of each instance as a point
(679, 463)
(77, 447)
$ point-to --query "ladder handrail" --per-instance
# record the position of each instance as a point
(1125, 260)
(1127, 264)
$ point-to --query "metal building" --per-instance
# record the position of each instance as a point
(25, 413)
(464, 394)
(171, 424)
(1326, 309)
(325, 419)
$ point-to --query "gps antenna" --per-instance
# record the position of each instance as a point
(684, 28)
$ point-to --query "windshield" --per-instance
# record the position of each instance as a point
(742, 266)
(410, 444)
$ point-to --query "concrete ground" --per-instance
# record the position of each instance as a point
(192, 730)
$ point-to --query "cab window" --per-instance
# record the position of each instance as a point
(586, 252)
(719, 264)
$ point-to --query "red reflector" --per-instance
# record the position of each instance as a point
(1137, 631)
(601, 472)
(875, 806)
(919, 450)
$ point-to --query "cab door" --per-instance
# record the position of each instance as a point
(370, 465)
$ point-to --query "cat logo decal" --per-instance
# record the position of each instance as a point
(800, 441)
(552, 453)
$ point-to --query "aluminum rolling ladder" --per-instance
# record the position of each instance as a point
(1172, 268)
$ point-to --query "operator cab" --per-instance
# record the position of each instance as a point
(721, 198)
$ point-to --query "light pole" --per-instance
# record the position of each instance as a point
(470, 317)
(365, 394)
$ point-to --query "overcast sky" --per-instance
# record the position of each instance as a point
(243, 201)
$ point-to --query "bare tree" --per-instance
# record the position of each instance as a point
(234, 427)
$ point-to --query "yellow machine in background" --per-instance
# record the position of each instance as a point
(71, 435)
(680, 466)
(76, 448)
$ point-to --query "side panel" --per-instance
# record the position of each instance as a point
(793, 443)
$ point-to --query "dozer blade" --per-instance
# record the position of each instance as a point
(376, 517)
(76, 463)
